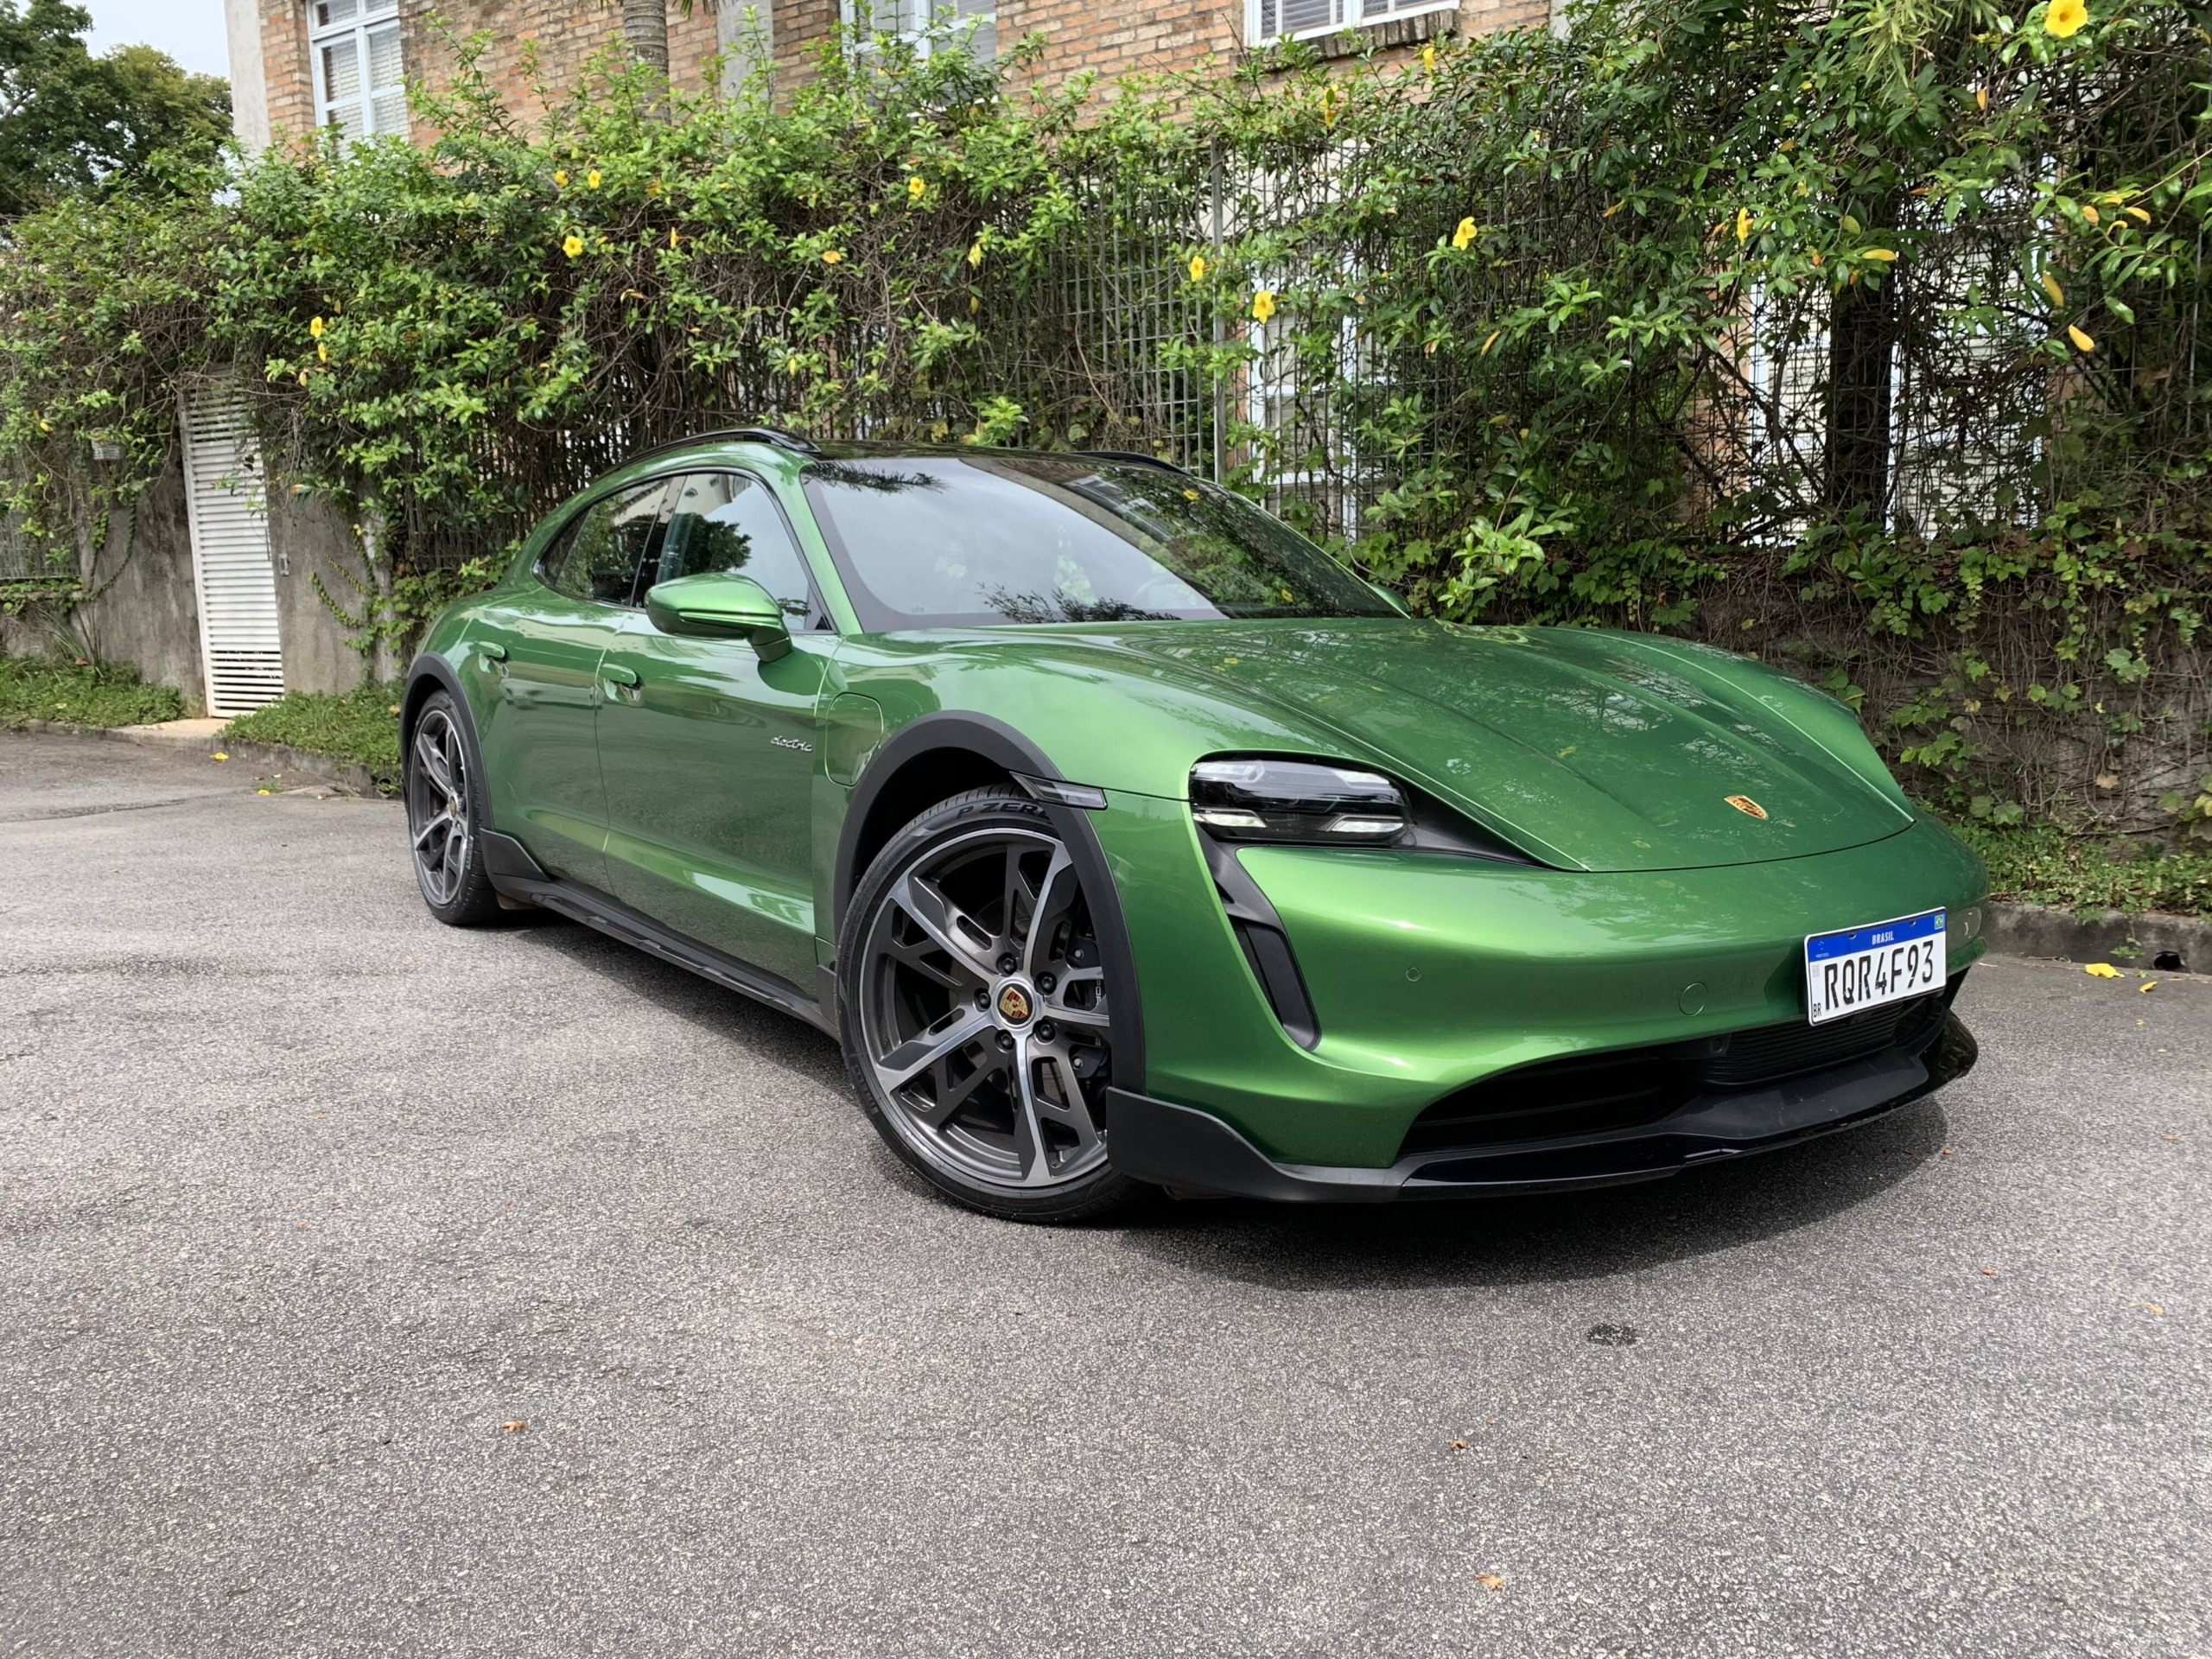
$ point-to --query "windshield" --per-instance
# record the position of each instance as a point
(936, 541)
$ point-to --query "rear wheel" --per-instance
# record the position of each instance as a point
(977, 1025)
(444, 812)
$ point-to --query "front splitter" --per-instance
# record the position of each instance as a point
(1187, 1150)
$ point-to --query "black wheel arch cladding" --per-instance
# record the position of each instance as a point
(958, 740)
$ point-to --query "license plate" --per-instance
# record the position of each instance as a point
(1865, 967)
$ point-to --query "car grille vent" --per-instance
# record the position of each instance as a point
(1770, 1054)
(1591, 1094)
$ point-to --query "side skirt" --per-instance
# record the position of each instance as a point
(515, 874)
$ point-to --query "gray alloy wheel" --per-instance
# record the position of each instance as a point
(442, 815)
(440, 820)
(980, 1029)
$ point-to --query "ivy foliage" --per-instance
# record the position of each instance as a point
(1864, 335)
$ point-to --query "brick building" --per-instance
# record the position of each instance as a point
(298, 64)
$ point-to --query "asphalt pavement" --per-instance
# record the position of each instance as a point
(370, 1288)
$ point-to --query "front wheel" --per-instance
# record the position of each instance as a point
(445, 811)
(978, 1028)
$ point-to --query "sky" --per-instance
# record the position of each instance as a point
(191, 31)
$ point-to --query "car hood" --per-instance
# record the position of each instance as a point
(1594, 749)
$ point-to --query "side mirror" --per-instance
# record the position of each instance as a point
(721, 604)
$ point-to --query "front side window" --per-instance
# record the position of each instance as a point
(359, 86)
(600, 555)
(937, 541)
(728, 522)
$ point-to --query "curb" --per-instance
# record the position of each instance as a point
(275, 757)
(2170, 943)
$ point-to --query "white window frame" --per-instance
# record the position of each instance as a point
(939, 14)
(1352, 13)
(373, 17)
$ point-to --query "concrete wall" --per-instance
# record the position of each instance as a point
(309, 539)
(148, 612)
(249, 77)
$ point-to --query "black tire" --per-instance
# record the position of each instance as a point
(446, 810)
(1011, 1063)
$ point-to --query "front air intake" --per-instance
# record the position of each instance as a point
(1625, 1089)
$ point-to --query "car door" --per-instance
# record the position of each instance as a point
(709, 752)
(540, 738)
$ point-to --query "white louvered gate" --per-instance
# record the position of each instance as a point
(227, 506)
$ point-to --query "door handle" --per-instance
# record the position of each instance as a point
(615, 673)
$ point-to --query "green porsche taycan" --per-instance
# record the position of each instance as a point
(1124, 838)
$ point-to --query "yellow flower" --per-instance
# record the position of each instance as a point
(1263, 305)
(1428, 57)
(2050, 287)
(1743, 225)
(2089, 212)
(560, 178)
(2138, 213)
(672, 236)
(1198, 267)
(974, 305)
(831, 257)
(2082, 341)
(917, 187)
(975, 253)
(322, 353)
(2063, 17)
(1465, 234)
(314, 328)
(2101, 970)
(572, 245)
(591, 179)
(1981, 98)
(1887, 256)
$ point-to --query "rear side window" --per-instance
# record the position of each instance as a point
(728, 522)
(598, 555)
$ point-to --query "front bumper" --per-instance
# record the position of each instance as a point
(1425, 973)
(1190, 1151)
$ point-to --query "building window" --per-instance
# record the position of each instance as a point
(358, 87)
(973, 23)
(1299, 20)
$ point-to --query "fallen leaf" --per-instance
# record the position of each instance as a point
(1491, 1580)
(220, 755)
(1947, 1152)
(2148, 985)
(1456, 1446)
(2168, 1137)
(2108, 780)
(514, 1425)
(2149, 1307)
(1989, 1273)
(2101, 970)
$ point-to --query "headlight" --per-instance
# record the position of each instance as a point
(1296, 800)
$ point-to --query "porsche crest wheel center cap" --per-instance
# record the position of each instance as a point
(1016, 1003)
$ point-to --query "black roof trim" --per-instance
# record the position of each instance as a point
(774, 435)
(1136, 455)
